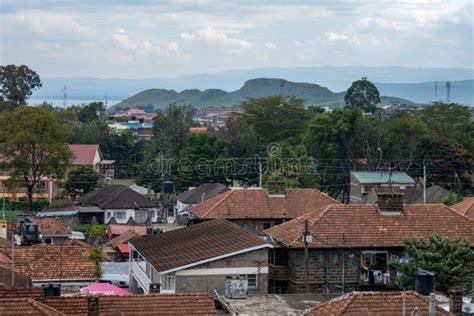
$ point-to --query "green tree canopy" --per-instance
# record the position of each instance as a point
(82, 179)
(452, 261)
(95, 255)
(362, 94)
(34, 141)
(17, 84)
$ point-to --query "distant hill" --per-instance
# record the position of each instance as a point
(334, 78)
(261, 87)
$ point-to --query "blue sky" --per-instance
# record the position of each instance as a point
(136, 39)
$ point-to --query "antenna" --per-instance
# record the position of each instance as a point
(105, 104)
(282, 85)
(448, 92)
(436, 91)
(65, 96)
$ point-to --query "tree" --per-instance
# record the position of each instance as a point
(451, 260)
(97, 233)
(95, 255)
(364, 95)
(82, 179)
(91, 112)
(35, 143)
(17, 84)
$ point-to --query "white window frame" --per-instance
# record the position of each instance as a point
(120, 212)
(168, 283)
(248, 280)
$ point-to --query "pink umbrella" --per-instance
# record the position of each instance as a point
(104, 289)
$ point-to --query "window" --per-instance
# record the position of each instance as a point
(266, 225)
(151, 214)
(119, 215)
(168, 282)
(335, 258)
(109, 214)
(320, 260)
(352, 260)
(251, 280)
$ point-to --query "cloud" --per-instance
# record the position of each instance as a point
(333, 36)
(220, 38)
(144, 46)
(270, 45)
(186, 36)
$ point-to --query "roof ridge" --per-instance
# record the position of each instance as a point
(227, 194)
(322, 211)
(352, 297)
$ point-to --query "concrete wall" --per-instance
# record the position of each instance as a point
(139, 216)
(209, 276)
(255, 226)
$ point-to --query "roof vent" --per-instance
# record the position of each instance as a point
(276, 188)
(390, 203)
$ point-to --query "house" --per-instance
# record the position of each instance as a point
(350, 245)
(66, 264)
(29, 302)
(465, 207)
(376, 303)
(197, 195)
(120, 243)
(412, 195)
(119, 202)
(52, 231)
(198, 258)
(256, 209)
(90, 155)
(362, 183)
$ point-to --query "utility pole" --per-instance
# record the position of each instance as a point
(259, 173)
(306, 255)
(424, 182)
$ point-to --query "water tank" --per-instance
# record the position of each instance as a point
(424, 282)
(51, 289)
(168, 187)
(236, 288)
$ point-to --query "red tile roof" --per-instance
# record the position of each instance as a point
(465, 207)
(51, 227)
(117, 230)
(25, 306)
(256, 203)
(123, 238)
(18, 281)
(83, 154)
(152, 304)
(53, 262)
(375, 303)
(194, 130)
(35, 293)
(362, 225)
(195, 243)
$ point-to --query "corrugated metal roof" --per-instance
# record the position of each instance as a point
(382, 177)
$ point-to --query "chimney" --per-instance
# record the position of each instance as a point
(455, 301)
(93, 306)
(390, 203)
(276, 188)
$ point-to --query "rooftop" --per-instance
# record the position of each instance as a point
(83, 154)
(195, 243)
(123, 238)
(465, 207)
(118, 230)
(375, 303)
(382, 177)
(25, 306)
(51, 227)
(362, 225)
(202, 193)
(115, 196)
(239, 203)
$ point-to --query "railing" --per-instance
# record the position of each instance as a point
(278, 273)
(138, 271)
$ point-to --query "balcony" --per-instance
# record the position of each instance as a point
(138, 272)
(278, 273)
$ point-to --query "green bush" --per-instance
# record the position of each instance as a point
(20, 206)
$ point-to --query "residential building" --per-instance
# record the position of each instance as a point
(256, 209)
(118, 202)
(90, 155)
(52, 231)
(197, 195)
(465, 207)
(350, 245)
(376, 303)
(362, 183)
(198, 258)
(412, 195)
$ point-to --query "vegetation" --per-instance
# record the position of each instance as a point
(34, 142)
(97, 233)
(452, 262)
(95, 255)
(362, 94)
(82, 179)
(17, 84)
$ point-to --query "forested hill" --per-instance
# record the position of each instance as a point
(262, 87)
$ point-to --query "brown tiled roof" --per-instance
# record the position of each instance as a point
(54, 262)
(465, 207)
(194, 243)
(152, 304)
(362, 225)
(51, 227)
(19, 280)
(121, 238)
(35, 293)
(375, 303)
(255, 203)
(119, 229)
(25, 306)
(201, 193)
(83, 154)
(115, 196)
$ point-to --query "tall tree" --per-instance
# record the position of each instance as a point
(17, 84)
(82, 179)
(364, 95)
(34, 141)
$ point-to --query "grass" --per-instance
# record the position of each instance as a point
(126, 182)
(9, 215)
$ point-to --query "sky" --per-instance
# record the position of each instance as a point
(167, 38)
